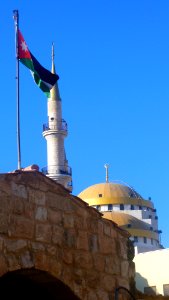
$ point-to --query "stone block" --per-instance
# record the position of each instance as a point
(21, 227)
(123, 282)
(36, 246)
(92, 278)
(15, 245)
(112, 265)
(105, 245)
(13, 262)
(124, 269)
(4, 204)
(41, 213)
(80, 222)
(54, 201)
(3, 223)
(19, 190)
(41, 261)
(18, 205)
(67, 257)
(92, 225)
(51, 250)
(99, 262)
(55, 217)
(83, 260)
(108, 282)
(70, 239)
(68, 221)
(107, 229)
(93, 243)
(82, 240)
(91, 295)
(58, 235)
(102, 295)
(37, 197)
(43, 233)
(26, 259)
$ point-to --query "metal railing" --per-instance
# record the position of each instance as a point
(62, 125)
(52, 169)
(116, 295)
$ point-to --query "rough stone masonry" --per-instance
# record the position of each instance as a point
(44, 227)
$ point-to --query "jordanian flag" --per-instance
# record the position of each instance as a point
(43, 78)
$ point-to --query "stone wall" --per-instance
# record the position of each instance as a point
(44, 227)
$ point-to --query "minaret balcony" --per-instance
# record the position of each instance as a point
(58, 170)
(60, 126)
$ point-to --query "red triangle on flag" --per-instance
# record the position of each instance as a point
(23, 50)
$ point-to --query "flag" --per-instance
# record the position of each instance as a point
(43, 78)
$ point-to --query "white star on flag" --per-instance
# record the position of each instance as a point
(24, 46)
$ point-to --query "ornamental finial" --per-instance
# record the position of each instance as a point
(107, 175)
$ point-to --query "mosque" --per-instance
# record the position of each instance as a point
(123, 205)
(117, 201)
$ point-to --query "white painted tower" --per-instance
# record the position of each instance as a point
(55, 132)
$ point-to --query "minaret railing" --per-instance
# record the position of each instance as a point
(59, 170)
(62, 125)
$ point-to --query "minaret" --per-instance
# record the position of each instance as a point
(55, 132)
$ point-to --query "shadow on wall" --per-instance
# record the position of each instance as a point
(149, 293)
(141, 282)
(33, 284)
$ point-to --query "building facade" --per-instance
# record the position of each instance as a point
(152, 272)
(123, 205)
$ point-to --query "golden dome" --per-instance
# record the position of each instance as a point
(112, 193)
(116, 194)
(130, 223)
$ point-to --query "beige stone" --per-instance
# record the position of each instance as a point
(15, 245)
(99, 262)
(45, 228)
(21, 227)
(41, 213)
(84, 260)
(55, 217)
(43, 232)
(107, 283)
(68, 221)
(82, 240)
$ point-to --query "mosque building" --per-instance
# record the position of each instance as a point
(120, 203)
(123, 205)
(117, 202)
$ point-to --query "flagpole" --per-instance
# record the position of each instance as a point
(16, 19)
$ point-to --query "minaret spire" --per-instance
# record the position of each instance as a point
(55, 132)
(53, 56)
(54, 93)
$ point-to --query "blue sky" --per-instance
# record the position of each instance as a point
(113, 61)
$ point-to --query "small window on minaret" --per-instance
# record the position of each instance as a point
(100, 195)
(51, 119)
